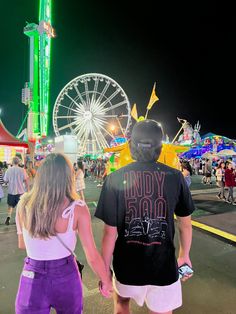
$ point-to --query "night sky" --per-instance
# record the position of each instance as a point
(187, 50)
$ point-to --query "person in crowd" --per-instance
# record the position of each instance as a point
(75, 167)
(5, 166)
(85, 164)
(31, 172)
(230, 183)
(49, 215)
(102, 174)
(220, 180)
(97, 171)
(207, 172)
(4, 169)
(1, 181)
(215, 164)
(17, 180)
(230, 159)
(92, 169)
(137, 204)
(186, 171)
(79, 177)
(196, 166)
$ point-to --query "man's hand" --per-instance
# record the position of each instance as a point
(185, 260)
(185, 240)
(106, 288)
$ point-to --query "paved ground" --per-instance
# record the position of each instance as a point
(212, 290)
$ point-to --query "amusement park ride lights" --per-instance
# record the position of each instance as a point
(35, 94)
(85, 108)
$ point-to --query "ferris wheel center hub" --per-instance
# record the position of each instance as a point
(88, 115)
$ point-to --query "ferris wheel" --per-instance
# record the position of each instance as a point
(93, 107)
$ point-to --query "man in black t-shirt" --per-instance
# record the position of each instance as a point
(137, 204)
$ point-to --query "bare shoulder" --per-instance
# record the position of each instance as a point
(81, 208)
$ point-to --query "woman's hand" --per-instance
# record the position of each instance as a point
(106, 288)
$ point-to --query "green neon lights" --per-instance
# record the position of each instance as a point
(44, 64)
(40, 44)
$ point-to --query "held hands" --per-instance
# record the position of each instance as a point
(185, 260)
(106, 288)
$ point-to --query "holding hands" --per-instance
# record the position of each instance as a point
(105, 287)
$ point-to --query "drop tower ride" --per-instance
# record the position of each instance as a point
(35, 94)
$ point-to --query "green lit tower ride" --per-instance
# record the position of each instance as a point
(36, 91)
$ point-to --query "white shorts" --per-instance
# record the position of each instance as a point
(157, 298)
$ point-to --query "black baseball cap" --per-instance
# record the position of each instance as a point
(146, 140)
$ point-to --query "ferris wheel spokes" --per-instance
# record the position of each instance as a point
(87, 94)
(103, 93)
(93, 104)
(109, 98)
(68, 125)
(68, 108)
(78, 106)
(65, 117)
(80, 97)
(94, 92)
(115, 106)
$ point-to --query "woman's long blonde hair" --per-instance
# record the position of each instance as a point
(40, 208)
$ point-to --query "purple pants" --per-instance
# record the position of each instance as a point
(50, 284)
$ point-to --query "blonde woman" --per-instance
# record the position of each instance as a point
(48, 214)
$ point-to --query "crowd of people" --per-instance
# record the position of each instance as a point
(218, 171)
(137, 206)
(19, 178)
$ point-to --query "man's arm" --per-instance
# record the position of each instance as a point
(185, 239)
(108, 245)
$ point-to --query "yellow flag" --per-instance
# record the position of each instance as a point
(134, 112)
(153, 98)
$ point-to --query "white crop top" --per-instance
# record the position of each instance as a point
(52, 248)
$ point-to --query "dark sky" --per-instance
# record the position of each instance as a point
(187, 50)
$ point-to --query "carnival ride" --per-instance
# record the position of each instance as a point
(95, 108)
(121, 155)
(210, 146)
(35, 94)
(190, 135)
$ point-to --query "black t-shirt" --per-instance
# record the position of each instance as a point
(140, 200)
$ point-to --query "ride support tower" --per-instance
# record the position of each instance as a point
(35, 94)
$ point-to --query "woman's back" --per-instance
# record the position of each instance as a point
(49, 217)
(51, 248)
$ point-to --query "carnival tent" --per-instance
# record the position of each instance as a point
(210, 155)
(211, 136)
(7, 139)
(10, 145)
(226, 152)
